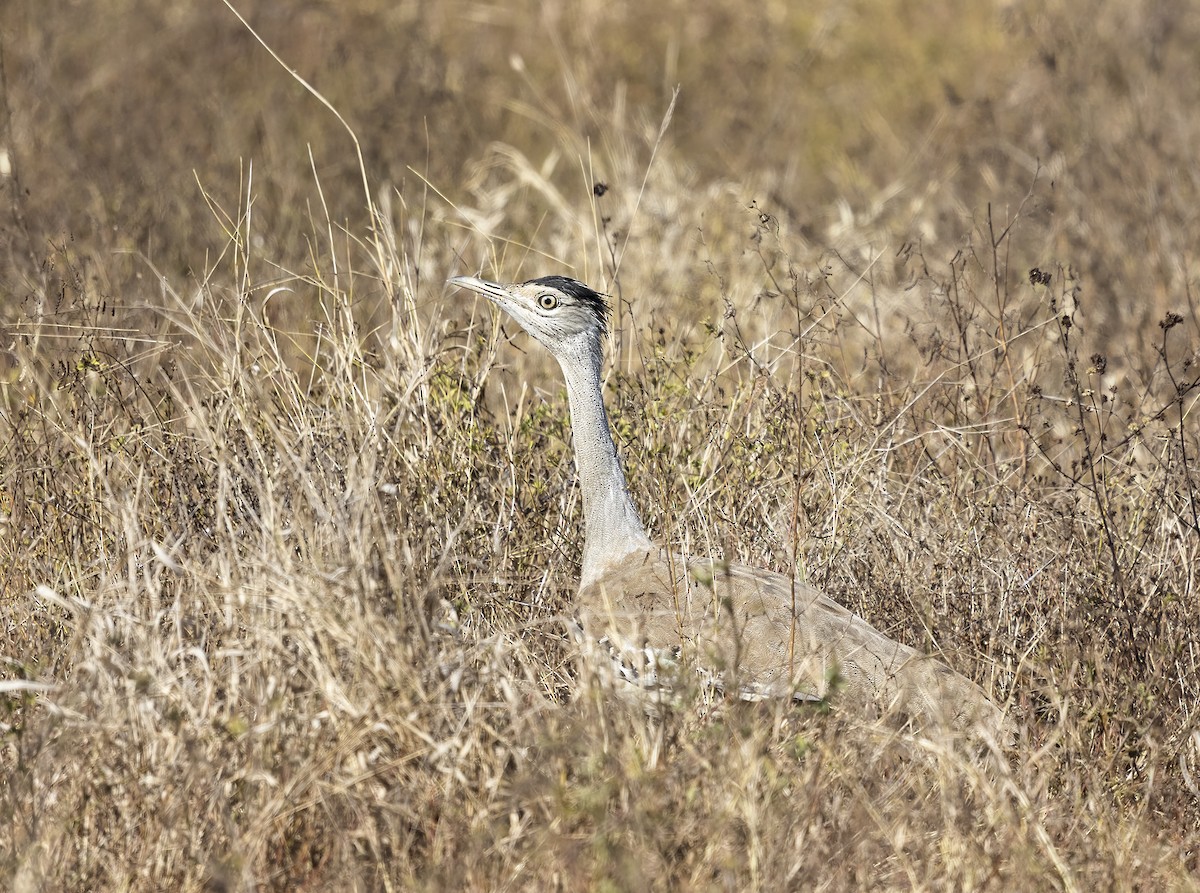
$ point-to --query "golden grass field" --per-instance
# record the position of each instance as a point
(905, 300)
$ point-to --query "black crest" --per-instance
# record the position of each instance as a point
(589, 297)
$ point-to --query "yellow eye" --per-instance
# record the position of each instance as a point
(548, 302)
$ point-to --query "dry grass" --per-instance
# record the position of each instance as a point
(286, 531)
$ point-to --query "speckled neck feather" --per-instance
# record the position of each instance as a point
(612, 526)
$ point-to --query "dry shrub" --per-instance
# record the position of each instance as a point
(286, 537)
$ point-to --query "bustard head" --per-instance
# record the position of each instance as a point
(555, 310)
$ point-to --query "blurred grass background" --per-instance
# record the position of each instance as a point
(890, 120)
(909, 117)
(904, 297)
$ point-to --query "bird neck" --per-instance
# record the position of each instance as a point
(612, 527)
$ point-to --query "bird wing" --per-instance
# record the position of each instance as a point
(760, 635)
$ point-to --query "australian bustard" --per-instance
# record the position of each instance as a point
(647, 616)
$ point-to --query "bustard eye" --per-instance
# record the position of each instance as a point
(547, 301)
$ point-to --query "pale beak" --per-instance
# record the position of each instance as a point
(493, 290)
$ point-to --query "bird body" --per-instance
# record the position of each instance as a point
(755, 635)
(649, 620)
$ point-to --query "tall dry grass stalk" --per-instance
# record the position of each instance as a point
(286, 537)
